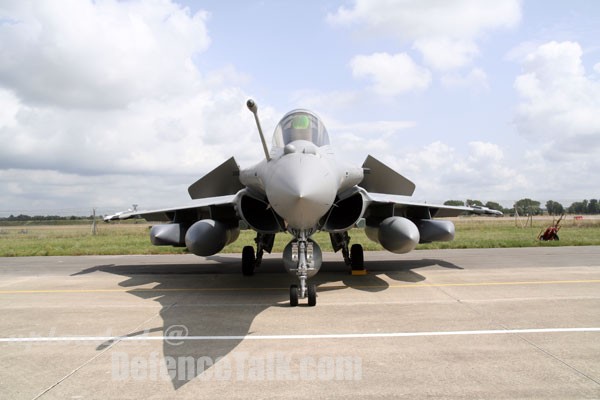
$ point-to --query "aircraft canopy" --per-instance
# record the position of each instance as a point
(300, 125)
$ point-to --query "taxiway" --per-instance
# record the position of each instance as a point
(492, 323)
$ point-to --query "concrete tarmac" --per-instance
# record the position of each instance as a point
(491, 323)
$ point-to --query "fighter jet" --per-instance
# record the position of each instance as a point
(301, 187)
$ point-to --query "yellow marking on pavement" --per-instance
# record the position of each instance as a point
(501, 283)
(133, 290)
(410, 285)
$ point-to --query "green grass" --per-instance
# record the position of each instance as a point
(133, 238)
(77, 240)
(502, 232)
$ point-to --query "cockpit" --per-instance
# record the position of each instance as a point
(300, 125)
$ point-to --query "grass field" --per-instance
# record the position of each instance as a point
(132, 238)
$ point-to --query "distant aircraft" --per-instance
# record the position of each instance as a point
(301, 188)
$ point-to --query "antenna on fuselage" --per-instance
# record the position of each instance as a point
(253, 107)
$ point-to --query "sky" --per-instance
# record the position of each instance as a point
(105, 104)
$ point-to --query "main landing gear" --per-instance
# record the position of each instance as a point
(353, 257)
(250, 261)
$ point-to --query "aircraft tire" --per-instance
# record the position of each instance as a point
(248, 261)
(312, 295)
(357, 257)
(293, 296)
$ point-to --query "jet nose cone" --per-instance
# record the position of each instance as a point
(301, 189)
(304, 192)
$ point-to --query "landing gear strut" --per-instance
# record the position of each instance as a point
(353, 257)
(250, 261)
(302, 256)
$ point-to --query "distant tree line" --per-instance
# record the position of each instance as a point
(533, 207)
(26, 218)
(585, 207)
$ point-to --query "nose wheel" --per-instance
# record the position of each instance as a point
(311, 294)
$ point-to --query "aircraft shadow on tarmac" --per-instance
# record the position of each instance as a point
(229, 310)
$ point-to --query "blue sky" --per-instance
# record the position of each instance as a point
(114, 103)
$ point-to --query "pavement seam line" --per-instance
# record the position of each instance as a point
(555, 357)
(106, 349)
(435, 285)
(492, 320)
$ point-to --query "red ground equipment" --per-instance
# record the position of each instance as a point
(551, 233)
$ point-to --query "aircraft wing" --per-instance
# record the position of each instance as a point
(399, 205)
(209, 207)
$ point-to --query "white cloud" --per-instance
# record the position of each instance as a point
(475, 79)
(441, 172)
(353, 141)
(163, 136)
(39, 192)
(443, 53)
(391, 74)
(559, 113)
(520, 51)
(559, 105)
(409, 19)
(99, 54)
(375, 128)
(107, 97)
(444, 32)
(9, 106)
(325, 101)
(482, 152)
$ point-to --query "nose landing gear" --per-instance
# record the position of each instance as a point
(306, 259)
